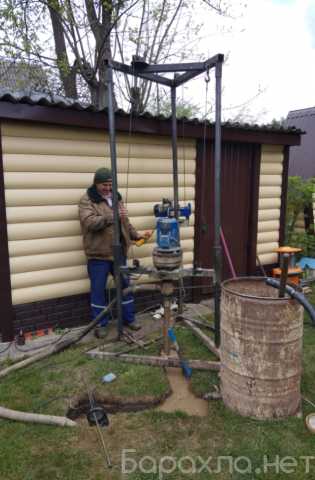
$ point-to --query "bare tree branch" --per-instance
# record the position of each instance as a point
(179, 5)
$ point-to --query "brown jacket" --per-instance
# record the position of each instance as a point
(97, 224)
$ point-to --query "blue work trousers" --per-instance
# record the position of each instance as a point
(98, 271)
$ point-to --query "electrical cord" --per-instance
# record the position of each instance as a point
(308, 401)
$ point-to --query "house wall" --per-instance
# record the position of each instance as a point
(47, 170)
(269, 205)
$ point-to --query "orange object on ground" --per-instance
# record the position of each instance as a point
(288, 250)
(294, 274)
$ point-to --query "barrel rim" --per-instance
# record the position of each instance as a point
(255, 279)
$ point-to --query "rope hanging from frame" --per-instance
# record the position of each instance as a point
(184, 146)
(204, 149)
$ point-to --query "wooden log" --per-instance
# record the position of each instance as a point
(36, 418)
(204, 338)
(136, 347)
(156, 361)
(198, 323)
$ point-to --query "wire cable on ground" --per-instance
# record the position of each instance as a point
(308, 401)
(6, 348)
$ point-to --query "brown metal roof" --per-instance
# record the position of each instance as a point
(51, 108)
(50, 100)
(302, 158)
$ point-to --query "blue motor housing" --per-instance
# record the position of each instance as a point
(167, 233)
(166, 209)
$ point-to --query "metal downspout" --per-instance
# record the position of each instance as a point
(175, 185)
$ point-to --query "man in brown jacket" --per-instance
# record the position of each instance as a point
(97, 224)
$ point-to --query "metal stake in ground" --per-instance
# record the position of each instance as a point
(93, 416)
(101, 437)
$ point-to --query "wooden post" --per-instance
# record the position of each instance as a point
(156, 361)
(7, 312)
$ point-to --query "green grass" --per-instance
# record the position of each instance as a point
(48, 385)
(202, 381)
(33, 452)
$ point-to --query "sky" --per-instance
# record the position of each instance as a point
(270, 67)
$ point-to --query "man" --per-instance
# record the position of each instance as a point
(97, 224)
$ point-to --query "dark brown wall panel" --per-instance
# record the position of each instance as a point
(285, 174)
(239, 197)
(253, 196)
(6, 312)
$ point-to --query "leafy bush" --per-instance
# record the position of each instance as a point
(299, 197)
(306, 241)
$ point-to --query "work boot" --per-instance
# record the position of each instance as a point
(134, 326)
(100, 332)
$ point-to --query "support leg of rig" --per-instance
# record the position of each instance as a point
(166, 324)
(167, 293)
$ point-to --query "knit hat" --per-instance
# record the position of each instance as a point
(102, 175)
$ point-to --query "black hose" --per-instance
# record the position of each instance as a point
(296, 295)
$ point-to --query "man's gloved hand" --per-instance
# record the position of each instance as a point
(144, 238)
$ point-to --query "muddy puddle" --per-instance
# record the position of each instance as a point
(181, 397)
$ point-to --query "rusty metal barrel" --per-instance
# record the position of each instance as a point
(261, 349)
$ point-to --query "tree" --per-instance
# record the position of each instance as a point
(80, 32)
(278, 123)
(299, 197)
(161, 31)
(75, 37)
(160, 104)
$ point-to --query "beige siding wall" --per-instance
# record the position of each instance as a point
(47, 169)
(269, 203)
